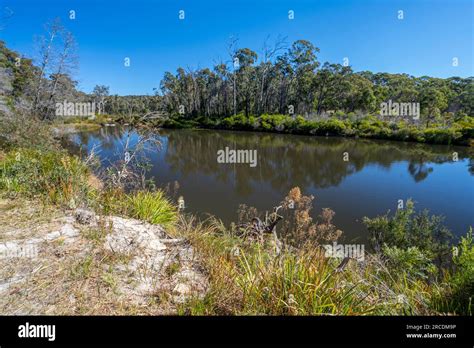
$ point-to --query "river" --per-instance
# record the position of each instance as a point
(353, 177)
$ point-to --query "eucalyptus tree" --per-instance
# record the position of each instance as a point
(246, 77)
(267, 69)
(170, 91)
(66, 62)
(359, 94)
(46, 53)
(432, 101)
(331, 85)
(57, 58)
(292, 79)
(232, 51)
(302, 55)
(223, 88)
(100, 93)
(205, 85)
(284, 73)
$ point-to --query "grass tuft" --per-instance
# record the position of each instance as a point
(153, 207)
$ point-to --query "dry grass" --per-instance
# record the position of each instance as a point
(69, 128)
(70, 275)
(78, 276)
(21, 218)
(251, 279)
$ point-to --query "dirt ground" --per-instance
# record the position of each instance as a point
(76, 262)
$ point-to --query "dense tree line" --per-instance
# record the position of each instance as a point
(292, 81)
(282, 80)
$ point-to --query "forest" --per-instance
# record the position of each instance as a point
(293, 81)
(284, 88)
(415, 265)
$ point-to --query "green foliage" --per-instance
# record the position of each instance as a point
(459, 298)
(251, 279)
(455, 293)
(179, 123)
(301, 283)
(332, 126)
(411, 262)
(153, 207)
(56, 176)
(295, 81)
(441, 136)
(304, 126)
(465, 126)
(407, 229)
(460, 132)
(294, 78)
(23, 131)
(22, 75)
(277, 123)
(239, 121)
(417, 246)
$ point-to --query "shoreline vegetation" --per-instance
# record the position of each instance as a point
(460, 132)
(410, 268)
(79, 216)
(290, 91)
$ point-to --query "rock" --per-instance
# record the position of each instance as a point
(67, 231)
(30, 247)
(152, 252)
(130, 235)
(182, 289)
(84, 216)
(141, 259)
(188, 283)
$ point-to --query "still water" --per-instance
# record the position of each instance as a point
(374, 177)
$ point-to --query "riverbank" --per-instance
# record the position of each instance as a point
(336, 170)
(460, 132)
(83, 266)
(74, 262)
(455, 132)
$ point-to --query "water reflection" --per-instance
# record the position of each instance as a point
(376, 175)
(308, 161)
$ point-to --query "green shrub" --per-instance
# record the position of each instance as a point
(332, 126)
(462, 292)
(461, 132)
(54, 175)
(239, 122)
(277, 123)
(441, 136)
(342, 115)
(307, 127)
(455, 294)
(408, 228)
(411, 261)
(179, 123)
(153, 207)
(251, 279)
(24, 131)
(372, 127)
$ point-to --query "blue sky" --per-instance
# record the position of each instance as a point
(150, 33)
